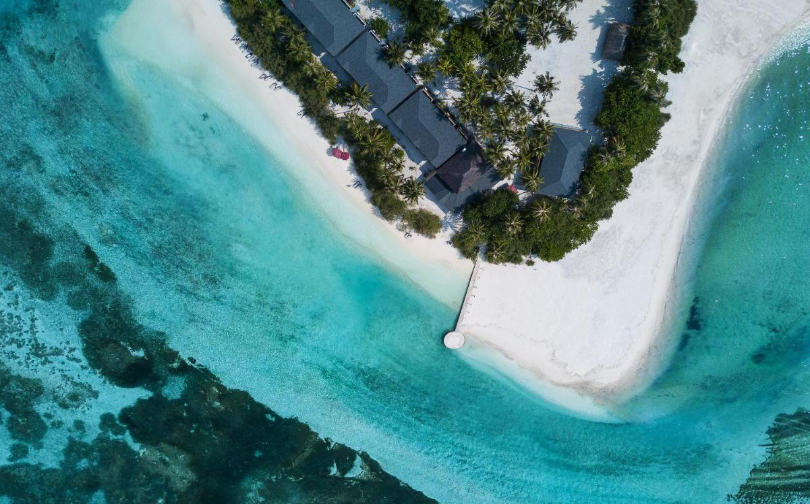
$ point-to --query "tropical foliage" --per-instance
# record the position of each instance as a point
(631, 118)
(281, 48)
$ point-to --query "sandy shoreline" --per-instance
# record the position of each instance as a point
(582, 332)
(596, 321)
(271, 116)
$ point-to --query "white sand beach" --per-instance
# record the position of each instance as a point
(585, 331)
(594, 322)
(229, 80)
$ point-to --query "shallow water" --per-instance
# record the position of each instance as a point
(216, 247)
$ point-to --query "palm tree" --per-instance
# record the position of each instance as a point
(487, 21)
(426, 71)
(375, 139)
(617, 146)
(566, 31)
(569, 4)
(354, 123)
(391, 180)
(506, 167)
(394, 53)
(325, 81)
(538, 33)
(541, 210)
(514, 100)
(359, 96)
(543, 129)
(432, 35)
(641, 80)
(298, 48)
(508, 21)
(445, 66)
(545, 84)
(531, 179)
(499, 81)
(412, 190)
(658, 95)
(604, 156)
(273, 19)
(495, 152)
(466, 106)
(537, 106)
(496, 251)
(513, 224)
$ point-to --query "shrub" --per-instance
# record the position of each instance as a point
(462, 44)
(655, 38)
(380, 26)
(390, 205)
(422, 17)
(423, 222)
(628, 114)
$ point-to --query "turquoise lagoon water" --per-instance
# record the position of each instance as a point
(218, 246)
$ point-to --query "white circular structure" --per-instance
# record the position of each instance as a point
(454, 340)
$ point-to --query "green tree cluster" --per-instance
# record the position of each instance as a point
(281, 48)
(424, 19)
(631, 118)
(655, 38)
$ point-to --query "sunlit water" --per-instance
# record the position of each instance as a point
(219, 249)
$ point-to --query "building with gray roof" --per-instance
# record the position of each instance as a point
(363, 60)
(615, 41)
(427, 128)
(564, 161)
(329, 21)
(461, 177)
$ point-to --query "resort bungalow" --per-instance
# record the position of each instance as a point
(329, 22)
(615, 41)
(427, 128)
(461, 177)
(564, 162)
(363, 61)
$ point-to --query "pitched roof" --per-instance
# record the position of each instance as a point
(363, 60)
(449, 200)
(329, 21)
(564, 161)
(463, 168)
(461, 177)
(427, 128)
(615, 41)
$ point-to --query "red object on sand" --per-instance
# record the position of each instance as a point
(344, 156)
(513, 188)
(334, 151)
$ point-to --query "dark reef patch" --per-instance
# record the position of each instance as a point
(694, 324)
(211, 444)
(784, 476)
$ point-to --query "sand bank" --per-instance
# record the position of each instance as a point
(271, 116)
(596, 321)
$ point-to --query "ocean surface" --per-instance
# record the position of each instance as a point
(217, 249)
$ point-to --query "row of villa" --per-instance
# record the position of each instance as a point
(456, 165)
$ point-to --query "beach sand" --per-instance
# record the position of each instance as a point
(584, 332)
(271, 116)
(596, 322)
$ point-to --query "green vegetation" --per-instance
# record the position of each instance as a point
(423, 222)
(463, 44)
(380, 26)
(480, 55)
(655, 38)
(631, 119)
(281, 48)
(424, 19)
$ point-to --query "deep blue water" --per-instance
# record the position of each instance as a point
(217, 247)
